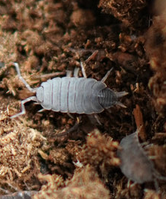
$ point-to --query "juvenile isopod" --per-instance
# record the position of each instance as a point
(19, 195)
(135, 164)
(72, 95)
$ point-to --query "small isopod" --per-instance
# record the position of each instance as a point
(19, 195)
(135, 164)
(72, 95)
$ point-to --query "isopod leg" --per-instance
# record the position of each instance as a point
(67, 133)
(22, 79)
(94, 119)
(130, 184)
(156, 184)
(68, 73)
(157, 176)
(76, 71)
(93, 56)
(70, 115)
(83, 69)
(23, 111)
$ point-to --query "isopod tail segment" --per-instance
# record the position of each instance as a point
(118, 94)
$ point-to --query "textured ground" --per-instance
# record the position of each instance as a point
(48, 37)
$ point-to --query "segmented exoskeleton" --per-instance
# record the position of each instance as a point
(135, 164)
(73, 95)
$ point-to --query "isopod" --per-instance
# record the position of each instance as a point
(72, 95)
(135, 164)
(20, 195)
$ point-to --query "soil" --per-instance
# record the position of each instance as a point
(56, 155)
